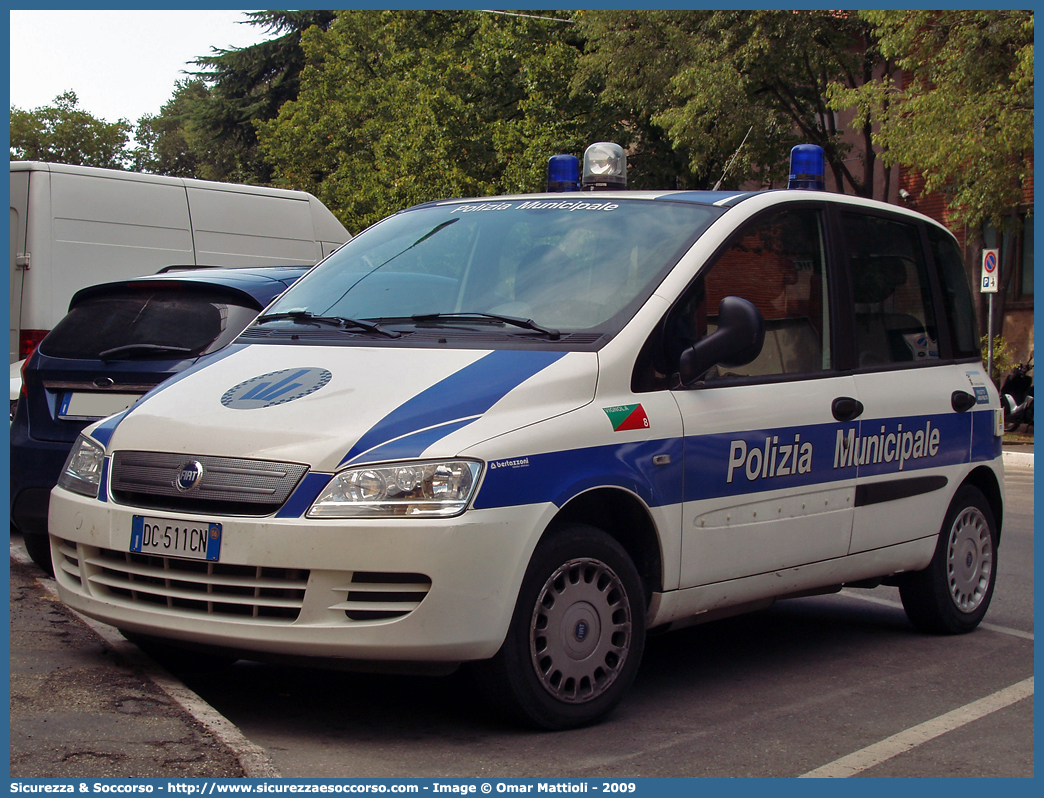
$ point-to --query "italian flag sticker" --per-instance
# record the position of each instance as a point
(625, 417)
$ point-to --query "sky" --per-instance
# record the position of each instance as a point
(121, 64)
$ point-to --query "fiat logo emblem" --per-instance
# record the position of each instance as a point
(189, 475)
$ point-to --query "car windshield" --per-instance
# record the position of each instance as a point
(577, 263)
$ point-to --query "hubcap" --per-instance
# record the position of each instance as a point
(969, 559)
(581, 631)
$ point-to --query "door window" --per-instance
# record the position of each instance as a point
(957, 298)
(778, 263)
(894, 317)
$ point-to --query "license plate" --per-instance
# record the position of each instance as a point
(194, 540)
(77, 406)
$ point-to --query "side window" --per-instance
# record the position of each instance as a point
(960, 310)
(778, 263)
(894, 317)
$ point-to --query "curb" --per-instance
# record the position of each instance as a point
(254, 760)
(1018, 460)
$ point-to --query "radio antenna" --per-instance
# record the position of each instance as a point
(733, 159)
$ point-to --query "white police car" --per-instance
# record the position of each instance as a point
(521, 431)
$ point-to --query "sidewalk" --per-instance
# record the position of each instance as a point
(73, 715)
(1018, 456)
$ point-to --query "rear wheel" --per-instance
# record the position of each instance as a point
(39, 548)
(952, 594)
(576, 636)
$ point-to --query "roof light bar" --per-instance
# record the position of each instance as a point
(605, 167)
(807, 167)
(563, 173)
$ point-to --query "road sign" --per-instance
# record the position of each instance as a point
(990, 270)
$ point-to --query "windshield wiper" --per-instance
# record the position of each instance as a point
(527, 324)
(306, 317)
(129, 350)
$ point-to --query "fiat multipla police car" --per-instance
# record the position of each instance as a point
(517, 433)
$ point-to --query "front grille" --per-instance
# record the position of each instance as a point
(243, 592)
(374, 596)
(228, 486)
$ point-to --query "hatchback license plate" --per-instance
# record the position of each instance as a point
(88, 406)
(169, 537)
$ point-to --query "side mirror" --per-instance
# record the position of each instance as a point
(736, 342)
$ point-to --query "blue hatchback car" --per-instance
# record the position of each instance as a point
(118, 341)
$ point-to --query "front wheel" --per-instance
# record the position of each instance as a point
(952, 594)
(576, 636)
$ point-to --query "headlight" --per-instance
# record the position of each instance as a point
(83, 467)
(426, 488)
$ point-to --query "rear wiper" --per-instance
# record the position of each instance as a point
(334, 321)
(527, 324)
(129, 350)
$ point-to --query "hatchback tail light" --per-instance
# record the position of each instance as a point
(28, 341)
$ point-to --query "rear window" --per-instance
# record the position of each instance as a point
(161, 324)
(960, 309)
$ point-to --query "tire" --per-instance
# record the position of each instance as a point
(952, 594)
(576, 636)
(182, 661)
(39, 548)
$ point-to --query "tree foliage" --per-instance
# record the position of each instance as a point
(707, 80)
(964, 116)
(631, 59)
(65, 133)
(170, 143)
(246, 86)
(376, 110)
(401, 107)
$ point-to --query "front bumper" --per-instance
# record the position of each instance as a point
(437, 590)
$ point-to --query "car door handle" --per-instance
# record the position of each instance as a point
(845, 408)
(962, 401)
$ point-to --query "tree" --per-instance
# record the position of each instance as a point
(631, 58)
(170, 143)
(715, 77)
(247, 86)
(961, 114)
(402, 107)
(64, 133)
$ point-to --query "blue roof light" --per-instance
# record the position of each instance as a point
(563, 173)
(807, 167)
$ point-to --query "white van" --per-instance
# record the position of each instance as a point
(76, 226)
(517, 432)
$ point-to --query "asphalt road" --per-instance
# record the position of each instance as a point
(833, 685)
(774, 694)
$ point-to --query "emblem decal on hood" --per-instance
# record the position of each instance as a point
(275, 388)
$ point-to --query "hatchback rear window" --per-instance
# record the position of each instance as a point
(161, 324)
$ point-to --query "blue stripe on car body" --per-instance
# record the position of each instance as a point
(702, 470)
(304, 495)
(464, 395)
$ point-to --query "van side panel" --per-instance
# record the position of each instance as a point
(328, 230)
(234, 228)
(19, 206)
(107, 229)
(82, 226)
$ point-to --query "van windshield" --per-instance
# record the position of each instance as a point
(577, 263)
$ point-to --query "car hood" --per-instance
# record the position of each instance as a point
(329, 407)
